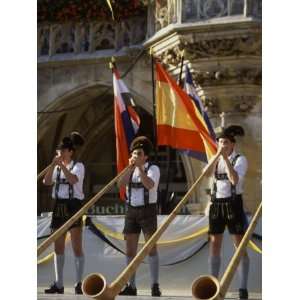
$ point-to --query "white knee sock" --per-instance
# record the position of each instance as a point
(132, 279)
(79, 267)
(243, 270)
(214, 263)
(59, 261)
(154, 268)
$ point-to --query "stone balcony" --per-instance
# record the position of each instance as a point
(166, 12)
(161, 16)
(75, 38)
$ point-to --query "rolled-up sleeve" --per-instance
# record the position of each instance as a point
(78, 170)
(241, 167)
(154, 174)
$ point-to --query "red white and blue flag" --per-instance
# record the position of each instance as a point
(127, 121)
(191, 91)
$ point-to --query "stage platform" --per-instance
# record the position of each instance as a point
(143, 295)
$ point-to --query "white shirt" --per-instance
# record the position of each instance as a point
(63, 191)
(224, 186)
(137, 194)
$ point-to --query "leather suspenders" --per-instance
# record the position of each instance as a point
(60, 181)
(223, 176)
(138, 185)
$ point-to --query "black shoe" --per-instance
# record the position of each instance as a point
(155, 291)
(78, 289)
(243, 294)
(128, 291)
(54, 289)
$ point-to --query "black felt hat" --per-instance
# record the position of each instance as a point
(71, 142)
(141, 142)
(230, 132)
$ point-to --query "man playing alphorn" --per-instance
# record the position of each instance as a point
(226, 207)
(141, 183)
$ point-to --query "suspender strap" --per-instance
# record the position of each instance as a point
(60, 181)
(233, 187)
(137, 185)
(130, 188)
(57, 182)
(146, 191)
(223, 176)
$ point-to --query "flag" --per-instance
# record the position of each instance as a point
(179, 123)
(191, 91)
(127, 122)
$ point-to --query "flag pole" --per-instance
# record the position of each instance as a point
(154, 106)
(181, 68)
(169, 148)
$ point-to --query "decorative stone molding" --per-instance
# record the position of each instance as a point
(239, 103)
(171, 57)
(210, 104)
(91, 37)
(165, 13)
(244, 104)
(229, 75)
(199, 10)
(207, 48)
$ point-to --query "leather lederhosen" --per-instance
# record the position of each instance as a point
(226, 211)
(142, 217)
(64, 209)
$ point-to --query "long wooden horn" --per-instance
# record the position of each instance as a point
(208, 287)
(43, 246)
(42, 173)
(95, 285)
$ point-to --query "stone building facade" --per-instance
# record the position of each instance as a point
(221, 40)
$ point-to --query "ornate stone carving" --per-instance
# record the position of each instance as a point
(165, 13)
(82, 37)
(247, 45)
(102, 36)
(82, 32)
(208, 9)
(64, 38)
(229, 75)
(238, 103)
(161, 14)
(210, 104)
(131, 32)
(200, 10)
(171, 57)
(244, 103)
(43, 36)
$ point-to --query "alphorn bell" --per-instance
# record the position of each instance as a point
(95, 285)
(208, 287)
(60, 231)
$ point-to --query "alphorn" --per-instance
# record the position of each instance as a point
(208, 287)
(95, 285)
(42, 173)
(60, 231)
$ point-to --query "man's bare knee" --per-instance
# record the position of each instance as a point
(153, 251)
(216, 243)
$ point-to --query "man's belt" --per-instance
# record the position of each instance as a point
(222, 176)
(227, 199)
(137, 185)
(142, 206)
